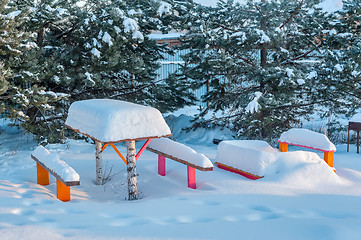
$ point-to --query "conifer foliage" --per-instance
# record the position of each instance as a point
(96, 49)
(261, 62)
(343, 66)
(19, 93)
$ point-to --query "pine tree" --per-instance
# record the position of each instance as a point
(258, 61)
(18, 92)
(9, 49)
(98, 50)
(29, 102)
(343, 66)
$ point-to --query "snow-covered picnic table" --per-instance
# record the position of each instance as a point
(110, 121)
(355, 125)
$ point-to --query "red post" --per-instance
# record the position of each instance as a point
(191, 172)
(161, 165)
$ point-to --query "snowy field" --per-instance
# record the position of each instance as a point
(295, 202)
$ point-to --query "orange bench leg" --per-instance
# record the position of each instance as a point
(328, 157)
(63, 192)
(42, 175)
(283, 147)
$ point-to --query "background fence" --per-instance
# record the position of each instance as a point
(171, 64)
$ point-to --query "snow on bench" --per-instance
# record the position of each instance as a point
(257, 159)
(308, 139)
(50, 163)
(167, 148)
(248, 158)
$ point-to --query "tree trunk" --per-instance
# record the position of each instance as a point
(131, 170)
(98, 157)
(263, 47)
(40, 37)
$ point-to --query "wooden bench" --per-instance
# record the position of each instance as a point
(308, 139)
(166, 148)
(66, 176)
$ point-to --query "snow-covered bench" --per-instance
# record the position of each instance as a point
(308, 139)
(167, 148)
(248, 158)
(50, 163)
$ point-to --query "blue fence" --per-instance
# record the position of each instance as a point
(171, 64)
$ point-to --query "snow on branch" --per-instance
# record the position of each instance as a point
(164, 8)
(253, 106)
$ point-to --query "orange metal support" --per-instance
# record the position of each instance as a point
(142, 149)
(328, 157)
(283, 147)
(120, 155)
(104, 146)
(63, 192)
(43, 175)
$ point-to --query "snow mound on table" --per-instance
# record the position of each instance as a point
(356, 118)
(259, 158)
(180, 151)
(252, 156)
(53, 162)
(307, 138)
(109, 120)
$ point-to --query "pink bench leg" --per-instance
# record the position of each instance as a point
(191, 172)
(161, 165)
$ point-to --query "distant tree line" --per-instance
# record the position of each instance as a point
(267, 64)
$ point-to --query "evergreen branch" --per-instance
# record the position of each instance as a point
(137, 89)
(226, 28)
(5, 97)
(123, 90)
(274, 108)
(294, 13)
(67, 32)
(247, 61)
(45, 120)
(301, 56)
(299, 105)
(48, 119)
(352, 94)
(247, 11)
(259, 10)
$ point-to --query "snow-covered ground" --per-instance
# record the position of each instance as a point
(296, 202)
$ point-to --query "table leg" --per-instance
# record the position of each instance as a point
(358, 140)
(191, 174)
(161, 165)
(98, 163)
(348, 139)
(131, 171)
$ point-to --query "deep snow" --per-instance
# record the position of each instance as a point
(294, 202)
